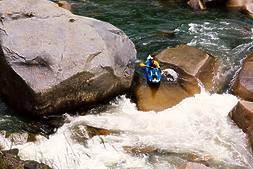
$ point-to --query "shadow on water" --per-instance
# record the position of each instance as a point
(13, 122)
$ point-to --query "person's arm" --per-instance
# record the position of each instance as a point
(157, 64)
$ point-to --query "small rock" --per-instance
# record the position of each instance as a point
(34, 165)
(191, 165)
(197, 4)
(245, 6)
(83, 132)
(139, 150)
(12, 151)
(64, 4)
(237, 4)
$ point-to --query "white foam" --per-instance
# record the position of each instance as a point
(196, 125)
(170, 74)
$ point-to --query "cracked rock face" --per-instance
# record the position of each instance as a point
(53, 61)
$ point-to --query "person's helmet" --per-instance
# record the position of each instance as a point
(153, 56)
(150, 57)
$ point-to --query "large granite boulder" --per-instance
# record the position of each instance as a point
(242, 115)
(243, 86)
(53, 61)
(195, 62)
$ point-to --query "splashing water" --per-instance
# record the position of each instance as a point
(197, 126)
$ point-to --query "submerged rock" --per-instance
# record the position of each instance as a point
(53, 61)
(243, 86)
(191, 165)
(10, 160)
(242, 115)
(194, 62)
(135, 150)
(81, 133)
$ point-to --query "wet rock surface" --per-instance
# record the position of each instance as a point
(10, 160)
(53, 61)
(81, 133)
(243, 86)
(242, 115)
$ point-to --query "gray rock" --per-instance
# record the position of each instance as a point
(53, 61)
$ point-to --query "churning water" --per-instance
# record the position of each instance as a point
(197, 129)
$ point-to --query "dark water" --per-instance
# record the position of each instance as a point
(154, 25)
(157, 24)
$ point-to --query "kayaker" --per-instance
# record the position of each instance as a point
(152, 62)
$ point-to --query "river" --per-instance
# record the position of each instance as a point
(197, 129)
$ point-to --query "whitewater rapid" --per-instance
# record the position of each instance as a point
(197, 126)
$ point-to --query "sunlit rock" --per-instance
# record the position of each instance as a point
(242, 114)
(52, 61)
(197, 4)
(237, 3)
(10, 160)
(195, 62)
(243, 86)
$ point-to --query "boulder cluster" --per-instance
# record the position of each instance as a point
(244, 6)
(242, 114)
